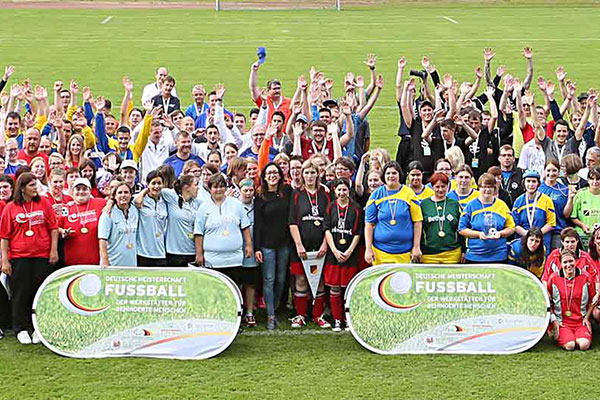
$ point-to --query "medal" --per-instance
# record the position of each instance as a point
(191, 235)
(225, 232)
(317, 223)
(342, 241)
(129, 246)
(441, 234)
(569, 297)
(29, 233)
(568, 313)
(157, 234)
(392, 210)
(392, 222)
(84, 230)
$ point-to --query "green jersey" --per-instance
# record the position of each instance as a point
(442, 216)
(586, 208)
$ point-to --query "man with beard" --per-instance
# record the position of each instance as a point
(319, 142)
(31, 147)
(183, 141)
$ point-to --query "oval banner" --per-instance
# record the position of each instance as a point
(184, 313)
(475, 309)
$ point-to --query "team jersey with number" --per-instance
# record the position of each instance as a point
(307, 212)
(344, 223)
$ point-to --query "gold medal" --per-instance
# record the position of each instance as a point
(225, 233)
(441, 234)
(29, 233)
(342, 241)
(568, 313)
(191, 235)
(317, 223)
(129, 246)
(158, 234)
(392, 222)
(84, 230)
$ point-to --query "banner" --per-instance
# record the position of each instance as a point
(313, 269)
(185, 313)
(475, 309)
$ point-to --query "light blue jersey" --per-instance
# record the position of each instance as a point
(120, 232)
(222, 227)
(180, 224)
(249, 209)
(152, 228)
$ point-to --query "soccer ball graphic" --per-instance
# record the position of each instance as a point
(400, 282)
(90, 285)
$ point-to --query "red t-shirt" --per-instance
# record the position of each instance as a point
(82, 248)
(23, 156)
(284, 107)
(39, 216)
(528, 132)
(309, 147)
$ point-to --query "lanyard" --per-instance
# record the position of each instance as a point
(531, 210)
(166, 104)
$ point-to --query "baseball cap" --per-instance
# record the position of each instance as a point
(583, 96)
(82, 181)
(330, 103)
(129, 164)
(531, 174)
(302, 118)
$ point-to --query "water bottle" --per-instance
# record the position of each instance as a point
(489, 227)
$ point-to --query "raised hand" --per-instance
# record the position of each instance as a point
(74, 87)
(465, 87)
(360, 82)
(349, 79)
(517, 86)
(329, 84)
(401, 63)
(541, 83)
(478, 72)
(528, 53)
(489, 91)
(500, 70)
(488, 54)
(550, 88)
(127, 84)
(156, 112)
(100, 103)
(561, 74)
(371, 59)
(16, 90)
(58, 85)
(379, 81)
(39, 93)
(427, 65)
(8, 71)
(410, 86)
(571, 88)
(255, 66)
(270, 132)
(447, 81)
(297, 108)
(313, 71)
(220, 90)
(333, 128)
(302, 82)
(86, 94)
(297, 129)
(345, 106)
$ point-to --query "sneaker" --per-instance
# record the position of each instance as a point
(271, 323)
(260, 303)
(322, 322)
(298, 321)
(1, 334)
(250, 321)
(346, 326)
(337, 326)
(23, 337)
(35, 338)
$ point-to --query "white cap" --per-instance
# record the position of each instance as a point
(129, 164)
(82, 181)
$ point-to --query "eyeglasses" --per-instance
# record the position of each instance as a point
(272, 173)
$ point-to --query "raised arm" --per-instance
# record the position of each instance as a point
(347, 113)
(297, 148)
(73, 89)
(333, 131)
(540, 133)
(542, 85)
(360, 175)
(399, 80)
(489, 92)
(128, 85)
(253, 82)
(475, 87)
(406, 103)
(517, 88)
(57, 88)
(429, 67)
(528, 54)
(584, 118)
(488, 55)
(370, 62)
(373, 99)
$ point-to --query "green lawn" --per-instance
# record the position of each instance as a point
(201, 46)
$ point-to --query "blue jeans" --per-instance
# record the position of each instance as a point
(274, 269)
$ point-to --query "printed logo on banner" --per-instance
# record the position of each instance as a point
(388, 290)
(75, 292)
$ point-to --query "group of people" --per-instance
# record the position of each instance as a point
(489, 178)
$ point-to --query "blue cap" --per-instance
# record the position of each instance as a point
(531, 174)
(262, 55)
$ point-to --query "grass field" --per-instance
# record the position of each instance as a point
(201, 46)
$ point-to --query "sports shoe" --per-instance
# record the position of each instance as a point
(322, 322)
(250, 321)
(1, 334)
(346, 326)
(35, 338)
(298, 321)
(23, 337)
(337, 326)
(271, 323)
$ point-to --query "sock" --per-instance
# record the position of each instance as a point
(319, 305)
(301, 303)
(335, 300)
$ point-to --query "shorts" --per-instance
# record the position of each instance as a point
(249, 275)
(234, 273)
(296, 268)
(445, 257)
(151, 262)
(568, 333)
(381, 257)
(338, 275)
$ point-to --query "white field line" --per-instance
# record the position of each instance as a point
(107, 20)
(450, 19)
(286, 332)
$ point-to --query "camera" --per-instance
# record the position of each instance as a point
(421, 74)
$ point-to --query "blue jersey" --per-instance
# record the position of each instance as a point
(152, 229)
(249, 210)
(540, 211)
(463, 200)
(221, 226)
(559, 194)
(180, 223)
(120, 232)
(393, 212)
(483, 217)
(177, 163)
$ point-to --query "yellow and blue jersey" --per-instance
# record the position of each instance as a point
(544, 214)
(393, 238)
(426, 193)
(463, 200)
(473, 217)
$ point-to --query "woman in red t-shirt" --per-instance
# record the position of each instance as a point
(80, 226)
(29, 234)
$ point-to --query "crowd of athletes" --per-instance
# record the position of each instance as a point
(497, 170)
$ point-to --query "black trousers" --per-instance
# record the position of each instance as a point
(151, 262)
(5, 319)
(178, 260)
(26, 278)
